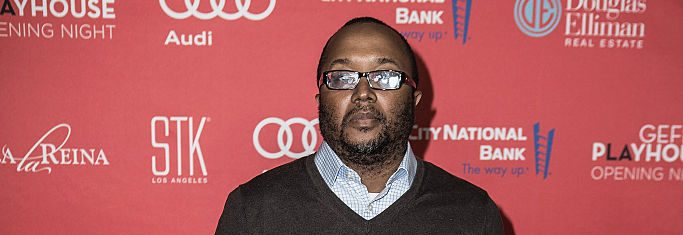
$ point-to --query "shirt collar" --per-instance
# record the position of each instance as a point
(330, 165)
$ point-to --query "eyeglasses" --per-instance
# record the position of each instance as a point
(379, 80)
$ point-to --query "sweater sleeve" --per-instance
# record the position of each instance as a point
(233, 218)
(494, 223)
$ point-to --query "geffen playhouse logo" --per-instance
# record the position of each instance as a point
(25, 19)
(656, 156)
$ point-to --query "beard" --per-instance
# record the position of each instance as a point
(387, 146)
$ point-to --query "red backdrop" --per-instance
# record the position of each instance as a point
(113, 121)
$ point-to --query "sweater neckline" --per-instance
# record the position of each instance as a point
(330, 200)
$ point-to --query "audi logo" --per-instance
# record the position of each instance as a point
(218, 7)
(285, 144)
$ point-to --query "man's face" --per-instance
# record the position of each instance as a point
(364, 121)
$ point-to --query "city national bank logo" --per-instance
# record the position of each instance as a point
(433, 21)
(461, 19)
(285, 137)
(502, 149)
(537, 18)
(587, 23)
(174, 147)
(22, 22)
(218, 9)
(543, 146)
(656, 157)
(45, 154)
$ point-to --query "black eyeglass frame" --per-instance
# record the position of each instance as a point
(404, 79)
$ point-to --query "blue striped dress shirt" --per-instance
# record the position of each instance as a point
(346, 183)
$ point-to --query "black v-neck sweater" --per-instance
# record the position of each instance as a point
(294, 199)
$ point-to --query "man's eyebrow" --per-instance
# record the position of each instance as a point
(384, 60)
(343, 61)
(380, 61)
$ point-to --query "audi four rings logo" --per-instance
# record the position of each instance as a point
(285, 144)
(217, 7)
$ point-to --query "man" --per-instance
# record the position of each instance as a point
(364, 178)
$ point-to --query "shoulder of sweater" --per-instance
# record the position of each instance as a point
(437, 180)
(282, 178)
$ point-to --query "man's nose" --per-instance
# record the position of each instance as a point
(363, 92)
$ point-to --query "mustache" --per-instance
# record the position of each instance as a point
(363, 112)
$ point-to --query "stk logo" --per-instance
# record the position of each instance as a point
(537, 18)
(161, 141)
(217, 6)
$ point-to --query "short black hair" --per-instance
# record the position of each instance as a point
(371, 20)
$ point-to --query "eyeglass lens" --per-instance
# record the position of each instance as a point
(383, 79)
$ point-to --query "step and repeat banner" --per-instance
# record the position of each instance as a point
(139, 117)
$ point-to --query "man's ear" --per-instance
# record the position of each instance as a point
(317, 98)
(417, 95)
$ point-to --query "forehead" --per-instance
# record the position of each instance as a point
(367, 43)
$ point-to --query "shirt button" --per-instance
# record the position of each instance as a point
(370, 207)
